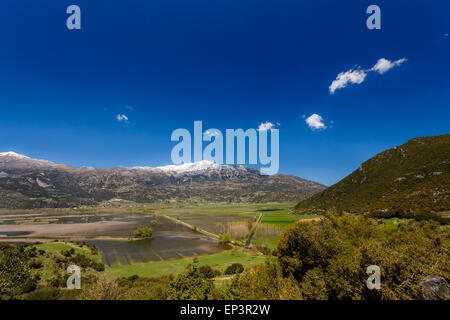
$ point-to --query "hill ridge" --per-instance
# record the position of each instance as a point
(409, 179)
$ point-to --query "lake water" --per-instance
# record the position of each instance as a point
(170, 241)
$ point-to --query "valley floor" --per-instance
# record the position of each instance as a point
(264, 221)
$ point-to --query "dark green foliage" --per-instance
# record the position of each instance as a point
(15, 276)
(190, 285)
(209, 272)
(83, 261)
(235, 268)
(35, 264)
(225, 238)
(143, 233)
(68, 253)
(232, 290)
(139, 288)
(45, 293)
(411, 180)
(329, 258)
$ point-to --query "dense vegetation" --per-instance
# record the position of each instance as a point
(27, 272)
(411, 180)
(143, 233)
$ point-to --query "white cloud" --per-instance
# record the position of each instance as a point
(266, 126)
(315, 122)
(384, 65)
(129, 108)
(358, 76)
(121, 117)
(345, 78)
(211, 133)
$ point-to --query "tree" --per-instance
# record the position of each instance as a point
(15, 276)
(226, 238)
(234, 269)
(329, 259)
(190, 285)
(143, 233)
(102, 289)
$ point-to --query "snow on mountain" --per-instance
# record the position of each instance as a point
(177, 169)
(16, 156)
(13, 154)
(185, 167)
(189, 167)
(25, 182)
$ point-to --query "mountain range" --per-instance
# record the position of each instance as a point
(409, 180)
(32, 183)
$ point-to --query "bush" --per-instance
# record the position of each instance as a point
(329, 258)
(143, 233)
(190, 285)
(46, 293)
(209, 272)
(35, 264)
(15, 276)
(226, 238)
(235, 268)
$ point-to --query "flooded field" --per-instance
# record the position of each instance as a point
(238, 226)
(109, 232)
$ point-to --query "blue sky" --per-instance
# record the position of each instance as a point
(229, 63)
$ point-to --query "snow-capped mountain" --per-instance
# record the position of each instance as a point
(191, 167)
(28, 183)
(13, 155)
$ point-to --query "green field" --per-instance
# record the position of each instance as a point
(276, 218)
(63, 246)
(242, 209)
(158, 268)
(270, 242)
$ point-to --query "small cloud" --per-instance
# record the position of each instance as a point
(315, 122)
(129, 108)
(345, 78)
(211, 133)
(266, 126)
(358, 76)
(384, 65)
(121, 117)
(445, 34)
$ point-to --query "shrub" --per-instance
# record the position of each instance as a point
(208, 272)
(190, 285)
(35, 264)
(329, 258)
(226, 238)
(15, 276)
(143, 233)
(235, 268)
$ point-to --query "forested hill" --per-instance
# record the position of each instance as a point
(408, 180)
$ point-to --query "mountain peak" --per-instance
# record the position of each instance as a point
(30, 183)
(13, 154)
(192, 166)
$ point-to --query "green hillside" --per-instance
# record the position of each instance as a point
(410, 180)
